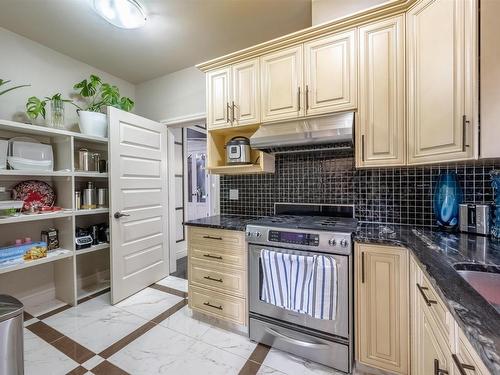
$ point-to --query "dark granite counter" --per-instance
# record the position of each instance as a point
(437, 252)
(229, 222)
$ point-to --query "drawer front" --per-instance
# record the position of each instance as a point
(209, 238)
(217, 304)
(438, 310)
(217, 255)
(222, 279)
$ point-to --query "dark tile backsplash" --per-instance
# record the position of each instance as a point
(392, 195)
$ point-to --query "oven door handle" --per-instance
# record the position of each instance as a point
(305, 344)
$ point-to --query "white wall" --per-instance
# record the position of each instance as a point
(174, 95)
(327, 10)
(26, 62)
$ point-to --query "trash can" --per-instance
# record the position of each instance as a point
(11, 336)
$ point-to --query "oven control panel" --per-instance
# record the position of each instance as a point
(296, 238)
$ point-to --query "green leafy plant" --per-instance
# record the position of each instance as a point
(4, 82)
(100, 94)
(36, 107)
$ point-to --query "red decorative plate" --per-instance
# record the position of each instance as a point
(34, 193)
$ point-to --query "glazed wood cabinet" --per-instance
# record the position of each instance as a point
(330, 72)
(217, 273)
(381, 300)
(442, 79)
(233, 95)
(315, 78)
(281, 84)
(381, 113)
(218, 108)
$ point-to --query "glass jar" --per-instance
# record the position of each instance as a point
(57, 114)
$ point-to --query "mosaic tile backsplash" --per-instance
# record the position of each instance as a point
(388, 195)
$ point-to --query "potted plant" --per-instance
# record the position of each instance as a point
(3, 82)
(36, 107)
(99, 95)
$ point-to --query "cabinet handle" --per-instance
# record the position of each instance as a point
(212, 256)
(233, 111)
(212, 279)
(428, 301)
(363, 147)
(298, 98)
(307, 97)
(464, 133)
(462, 366)
(437, 370)
(227, 113)
(213, 238)
(362, 267)
(213, 306)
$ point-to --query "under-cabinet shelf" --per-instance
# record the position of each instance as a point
(23, 218)
(101, 246)
(88, 291)
(92, 211)
(19, 264)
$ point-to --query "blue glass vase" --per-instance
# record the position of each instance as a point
(447, 198)
(495, 183)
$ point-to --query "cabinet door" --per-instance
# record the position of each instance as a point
(442, 94)
(218, 98)
(246, 94)
(382, 310)
(281, 80)
(330, 73)
(381, 135)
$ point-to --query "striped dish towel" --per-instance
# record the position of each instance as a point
(323, 288)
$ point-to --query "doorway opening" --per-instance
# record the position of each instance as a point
(193, 192)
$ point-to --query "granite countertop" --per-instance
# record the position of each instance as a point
(436, 252)
(229, 222)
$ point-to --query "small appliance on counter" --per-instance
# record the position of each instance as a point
(238, 151)
(83, 239)
(475, 218)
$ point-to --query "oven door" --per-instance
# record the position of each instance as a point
(339, 326)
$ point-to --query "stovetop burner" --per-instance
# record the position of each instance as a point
(323, 223)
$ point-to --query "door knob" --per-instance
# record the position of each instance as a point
(118, 215)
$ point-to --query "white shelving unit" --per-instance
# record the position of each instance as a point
(65, 275)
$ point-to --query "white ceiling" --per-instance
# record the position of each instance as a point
(178, 33)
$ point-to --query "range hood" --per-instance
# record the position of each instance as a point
(319, 130)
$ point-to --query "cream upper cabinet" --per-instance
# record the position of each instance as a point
(442, 92)
(218, 97)
(245, 103)
(281, 85)
(330, 73)
(381, 300)
(381, 121)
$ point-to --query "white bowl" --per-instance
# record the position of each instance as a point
(93, 123)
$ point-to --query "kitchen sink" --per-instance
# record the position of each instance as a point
(484, 278)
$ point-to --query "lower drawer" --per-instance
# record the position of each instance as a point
(223, 279)
(217, 304)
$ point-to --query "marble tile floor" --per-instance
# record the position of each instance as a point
(152, 332)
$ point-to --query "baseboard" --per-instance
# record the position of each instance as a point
(181, 254)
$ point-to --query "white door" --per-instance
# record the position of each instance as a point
(218, 99)
(138, 185)
(330, 73)
(281, 80)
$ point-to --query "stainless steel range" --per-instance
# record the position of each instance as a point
(327, 233)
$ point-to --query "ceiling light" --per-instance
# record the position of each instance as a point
(126, 14)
